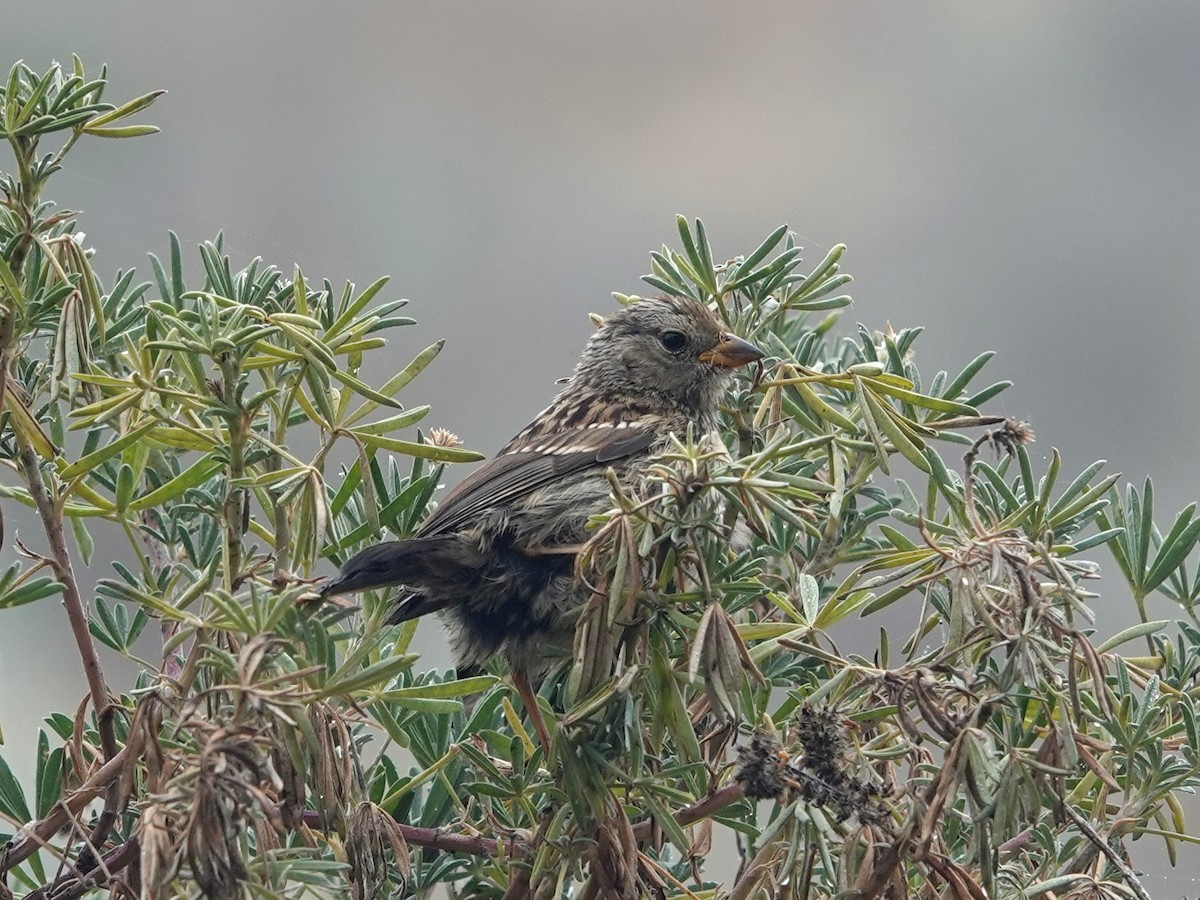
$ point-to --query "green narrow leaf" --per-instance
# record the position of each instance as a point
(355, 307)
(121, 131)
(1065, 512)
(1132, 633)
(954, 388)
(706, 257)
(810, 597)
(124, 110)
(760, 252)
(89, 462)
(693, 253)
(874, 429)
(936, 404)
(48, 781)
(177, 284)
(425, 451)
(462, 687)
(1077, 486)
(393, 423)
(905, 444)
(823, 409)
(665, 269)
(1101, 537)
(364, 389)
(349, 679)
(1172, 553)
(824, 267)
(1145, 530)
(36, 95)
(1027, 482)
(11, 286)
(398, 381)
(667, 822)
(31, 591)
(1048, 480)
(195, 474)
(83, 539)
(982, 397)
(12, 798)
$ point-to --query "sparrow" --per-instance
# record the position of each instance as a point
(496, 557)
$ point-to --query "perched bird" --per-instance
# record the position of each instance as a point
(496, 557)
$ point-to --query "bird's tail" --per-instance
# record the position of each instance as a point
(413, 562)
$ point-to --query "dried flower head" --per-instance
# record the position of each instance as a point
(232, 769)
(160, 847)
(760, 766)
(719, 656)
(443, 437)
(337, 775)
(372, 841)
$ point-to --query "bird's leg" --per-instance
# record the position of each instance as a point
(529, 698)
(556, 550)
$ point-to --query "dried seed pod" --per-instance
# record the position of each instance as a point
(159, 848)
(372, 839)
(227, 791)
(760, 766)
(337, 776)
(718, 657)
(614, 862)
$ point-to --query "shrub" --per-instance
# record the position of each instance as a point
(1003, 748)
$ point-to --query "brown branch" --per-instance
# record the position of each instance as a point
(440, 839)
(235, 510)
(113, 861)
(160, 561)
(1103, 846)
(519, 886)
(40, 833)
(883, 871)
(437, 839)
(433, 838)
(702, 809)
(452, 842)
(52, 524)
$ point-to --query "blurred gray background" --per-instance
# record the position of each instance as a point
(1020, 177)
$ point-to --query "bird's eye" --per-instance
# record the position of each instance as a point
(673, 341)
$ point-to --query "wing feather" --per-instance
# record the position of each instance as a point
(526, 469)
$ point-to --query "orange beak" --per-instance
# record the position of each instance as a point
(730, 352)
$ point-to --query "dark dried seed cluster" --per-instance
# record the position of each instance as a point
(765, 770)
(761, 767)
(821, 773)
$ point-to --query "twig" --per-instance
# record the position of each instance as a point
(52, 523)
(112, 862)
(1103, 846)
(40, 832)
(710, 805)
(440, 839)
(452, 842)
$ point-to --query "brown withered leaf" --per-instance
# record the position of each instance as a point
(372, 841)
(337, 776)
(614, 858)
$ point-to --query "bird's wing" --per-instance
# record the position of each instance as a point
(526, 468)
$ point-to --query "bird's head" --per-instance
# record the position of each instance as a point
(664, 351)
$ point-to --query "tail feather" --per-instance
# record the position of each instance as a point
(416, 562)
